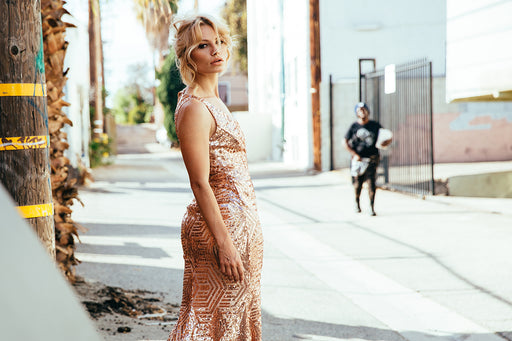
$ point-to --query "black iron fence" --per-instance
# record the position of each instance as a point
(407, 165)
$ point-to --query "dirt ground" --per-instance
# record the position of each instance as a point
(127, 315)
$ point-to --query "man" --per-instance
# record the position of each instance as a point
(360, 141)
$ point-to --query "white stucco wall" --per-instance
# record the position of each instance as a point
(278, 55)
(297, 121)
(257, 130)
(264, 68)
(77, 87)
(392, 31)
(479, 49)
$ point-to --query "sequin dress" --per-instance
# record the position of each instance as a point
(213, 307)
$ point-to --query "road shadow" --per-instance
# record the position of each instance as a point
(281, 329)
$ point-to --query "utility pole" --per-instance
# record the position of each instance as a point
(96, 67)
(316, 79)
(24, 140)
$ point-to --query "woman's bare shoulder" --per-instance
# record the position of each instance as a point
(193, 112)
(193, 107)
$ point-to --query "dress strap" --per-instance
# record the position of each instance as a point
(216, 113)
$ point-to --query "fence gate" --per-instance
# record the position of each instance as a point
(408, 163)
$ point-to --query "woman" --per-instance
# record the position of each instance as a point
(221, 234)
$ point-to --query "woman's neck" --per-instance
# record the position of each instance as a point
(205, 86)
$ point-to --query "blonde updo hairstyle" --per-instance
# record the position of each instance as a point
(188, 36)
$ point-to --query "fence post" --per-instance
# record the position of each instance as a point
(431, 111)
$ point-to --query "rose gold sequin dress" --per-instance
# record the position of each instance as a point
(213, 307)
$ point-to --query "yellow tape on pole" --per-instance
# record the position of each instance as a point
(22, 89)
(24, 142)
(35, 211)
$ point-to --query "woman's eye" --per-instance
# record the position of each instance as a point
(202, 46)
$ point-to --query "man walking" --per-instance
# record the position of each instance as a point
(360, 141)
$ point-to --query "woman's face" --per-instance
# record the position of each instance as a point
(211, 55)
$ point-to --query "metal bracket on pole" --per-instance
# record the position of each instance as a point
(361, 74)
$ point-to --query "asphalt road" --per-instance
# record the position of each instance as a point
(420, 270)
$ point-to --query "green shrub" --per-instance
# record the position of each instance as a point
(167, 92)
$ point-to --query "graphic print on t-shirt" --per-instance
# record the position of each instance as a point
(362, 138)
(365, 137)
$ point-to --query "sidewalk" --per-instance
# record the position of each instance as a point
(433, 253)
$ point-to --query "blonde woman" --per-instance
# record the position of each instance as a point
(221, 234)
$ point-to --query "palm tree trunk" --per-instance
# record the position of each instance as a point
(64, 188)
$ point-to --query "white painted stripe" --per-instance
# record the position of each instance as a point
(164, 262)
(171, 246)
(402, 309)
(322, 338)
(143, 241)
(129, 223)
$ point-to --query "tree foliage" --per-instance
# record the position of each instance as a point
(156, 16)
(167, 92)
(131, 107)
(133, 104)
(235, 14)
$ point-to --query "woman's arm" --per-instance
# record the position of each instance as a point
(195, 127)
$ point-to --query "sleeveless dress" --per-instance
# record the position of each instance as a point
(214, 308)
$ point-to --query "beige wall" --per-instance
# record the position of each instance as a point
(463, 132)
(238, 90)
(472, 131)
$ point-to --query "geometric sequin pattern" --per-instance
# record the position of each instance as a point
(214, 308)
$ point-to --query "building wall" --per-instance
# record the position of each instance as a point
(392, 31)
(77, 86)
(264, 32)
(479, 49)
(279, 86)
(298, 148)
(473, 132)
(398, 31)
(479, 67)
(236, 82)
(463, 132)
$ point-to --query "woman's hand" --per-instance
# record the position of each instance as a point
(229, 261)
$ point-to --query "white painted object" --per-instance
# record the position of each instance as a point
(384, 135)
(37, 302)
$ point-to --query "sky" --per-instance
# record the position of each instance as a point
(125, 42)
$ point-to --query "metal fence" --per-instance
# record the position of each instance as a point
(408, 164)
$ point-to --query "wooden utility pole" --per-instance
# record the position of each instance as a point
(24, 140)
(316, 78)
(96, 67)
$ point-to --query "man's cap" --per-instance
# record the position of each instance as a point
(361, 105)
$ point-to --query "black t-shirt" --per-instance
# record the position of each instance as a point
(362, 138)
